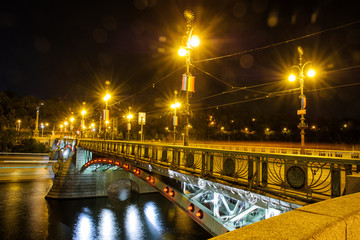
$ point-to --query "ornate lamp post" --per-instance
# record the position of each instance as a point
(106, 115)
(36, 131)
(129, 117)
(189, 42)
(19, 124)
(302, 112)
(175, 118)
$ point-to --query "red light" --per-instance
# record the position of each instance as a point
(172, 193)
(200, 214)
(134, 170)
(138, 172)
(191, 207)
(152, 180)
(166, 189)
(148, 178)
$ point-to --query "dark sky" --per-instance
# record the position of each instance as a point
(69, 49)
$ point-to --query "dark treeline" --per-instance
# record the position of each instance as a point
(220, 124)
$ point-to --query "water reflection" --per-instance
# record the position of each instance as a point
(107, 227)
(84, 227)
(133, 224)
(152, 215)
(26, 214)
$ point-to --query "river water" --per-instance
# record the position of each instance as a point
(26, 214)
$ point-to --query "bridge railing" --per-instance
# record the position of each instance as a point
(308, 177)
(283, 150)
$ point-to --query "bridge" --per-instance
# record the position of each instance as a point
(221, 189)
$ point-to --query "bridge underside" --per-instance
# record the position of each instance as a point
(216, 207)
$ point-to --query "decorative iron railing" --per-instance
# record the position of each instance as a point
(306, 177)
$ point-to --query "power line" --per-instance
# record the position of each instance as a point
(279, 43)
(277, 94)
(227, 84)
(152, 85)
(235, 89)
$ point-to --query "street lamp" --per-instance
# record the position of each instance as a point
(36, 131)
(129, 117)
(310, 73)
(42, 129)
(188, 81)
(19, 124)
(175, 118)
(65, 124)
(83, 112)
(106, 115)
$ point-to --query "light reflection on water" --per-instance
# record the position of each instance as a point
(134, 226)
(26, 214)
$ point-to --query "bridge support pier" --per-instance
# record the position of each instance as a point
(71, 183)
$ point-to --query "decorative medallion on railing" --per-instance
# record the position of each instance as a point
(296, 177)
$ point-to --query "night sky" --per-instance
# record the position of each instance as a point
(68, 49)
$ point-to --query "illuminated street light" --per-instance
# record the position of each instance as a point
(129, 117)
(188, 81)
(19, 124)
(311, 73)
(175, 118)
(36, 131)
(106, 114)
(83, 112)
(42, 129)
(65, 124)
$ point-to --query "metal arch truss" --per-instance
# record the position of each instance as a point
(232, 207)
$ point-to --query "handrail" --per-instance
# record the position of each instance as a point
(307, 177)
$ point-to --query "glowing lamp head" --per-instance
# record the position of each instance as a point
(175, 105)
(129, 116)
(194, 41)
(83, 112)
(311, 73)
(182, 52)
(72, 119)
(107, 97)
(191, 207)
(200, 214)
(292, 77)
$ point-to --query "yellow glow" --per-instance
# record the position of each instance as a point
(72, 119)
(175, 105)
(129, 116)
(107, 122)
(83, 112)
(292, 77)
(182, 52)
(19, 121)
(61, 126)
(92, 125)
(107, 97)
(46, 124)
(311, 72)
(65, 123)
(194, 41)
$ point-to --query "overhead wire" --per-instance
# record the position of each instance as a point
(279, 43)
(152, 85)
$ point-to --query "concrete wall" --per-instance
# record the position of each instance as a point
(337, 218)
